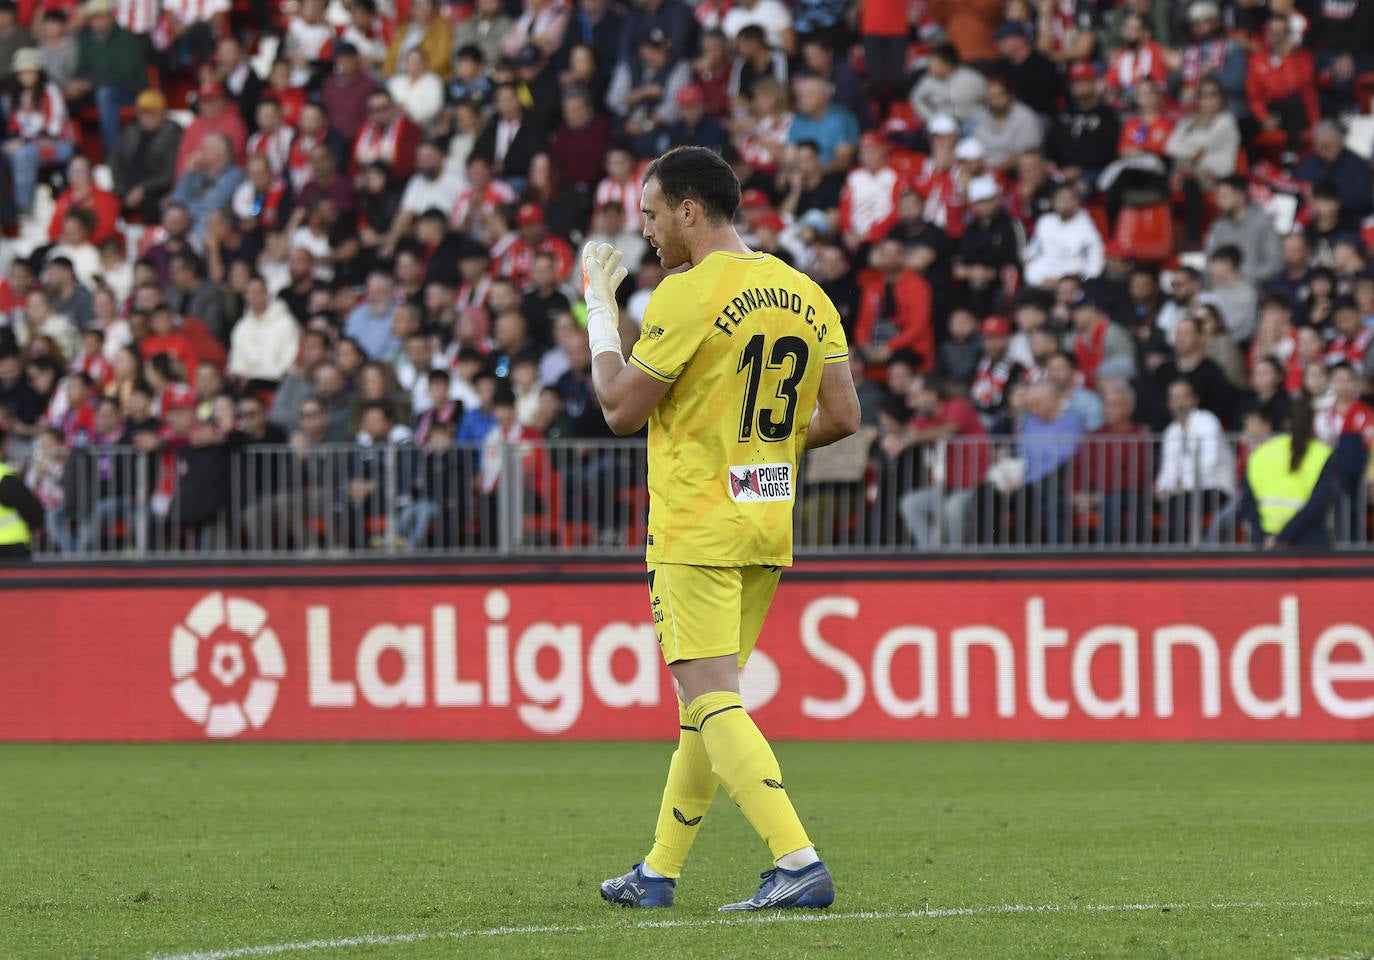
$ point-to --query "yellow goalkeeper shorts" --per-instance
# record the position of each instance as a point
(702, 612)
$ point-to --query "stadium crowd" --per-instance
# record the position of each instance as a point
(1054, 229)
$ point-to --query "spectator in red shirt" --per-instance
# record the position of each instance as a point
(346, 90)
(77, 422)
(1282, 85)
(535, 238)
(894, 310)
(166, 338)
(579, 144)
(83, 194)
(940, 512)
(1112, 470)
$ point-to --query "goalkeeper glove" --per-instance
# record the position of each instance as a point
(602, 275)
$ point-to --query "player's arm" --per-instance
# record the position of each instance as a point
(627, 393)
(837, 407)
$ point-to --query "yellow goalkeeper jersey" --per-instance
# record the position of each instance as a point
(742, 338)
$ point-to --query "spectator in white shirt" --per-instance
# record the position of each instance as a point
(1197, 472)
(1066, 243)
(431, 187)
(266, 339)
(418, 90)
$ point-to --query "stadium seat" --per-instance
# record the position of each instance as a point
(1148, 232)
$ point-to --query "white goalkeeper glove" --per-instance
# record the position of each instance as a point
(602, 275)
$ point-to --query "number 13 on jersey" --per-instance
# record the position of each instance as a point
(780, 367)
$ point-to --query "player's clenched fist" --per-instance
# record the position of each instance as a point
(602, 275)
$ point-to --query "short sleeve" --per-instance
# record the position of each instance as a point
(670, 334)
(834, 342)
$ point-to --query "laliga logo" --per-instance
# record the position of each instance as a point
(232, 701)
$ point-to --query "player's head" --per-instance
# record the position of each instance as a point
(687, 191)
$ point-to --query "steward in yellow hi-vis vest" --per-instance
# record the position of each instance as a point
(20, 513)
(743, 339)
(1288, 501)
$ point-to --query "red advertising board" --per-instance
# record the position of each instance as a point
(1265, 658)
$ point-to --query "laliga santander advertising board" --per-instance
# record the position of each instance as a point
(1268, 658)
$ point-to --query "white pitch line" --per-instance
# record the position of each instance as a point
(927, 913)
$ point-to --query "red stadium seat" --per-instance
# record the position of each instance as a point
(1148, 232)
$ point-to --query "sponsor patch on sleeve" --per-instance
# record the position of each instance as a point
(761, 482)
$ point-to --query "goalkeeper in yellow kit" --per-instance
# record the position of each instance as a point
(741, 364)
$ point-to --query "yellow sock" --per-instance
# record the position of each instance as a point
(745, 765)
(686, 798)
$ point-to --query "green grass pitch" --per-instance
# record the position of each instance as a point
(405, 851)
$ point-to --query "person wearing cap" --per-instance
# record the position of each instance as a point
(1084, 137)
(215, 113)
(950, 87)
(869, 203)
(38, 129)
(694, 125)
(643, 93)
(1009, 128)
(972, 159)
(110, 68)
(1065, 243)
(535, 238)
(1243, 224)
(1212, 52)
(990, 249)
(833, 128)
(997, 371)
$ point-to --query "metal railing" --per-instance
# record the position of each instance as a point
(559, 498)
